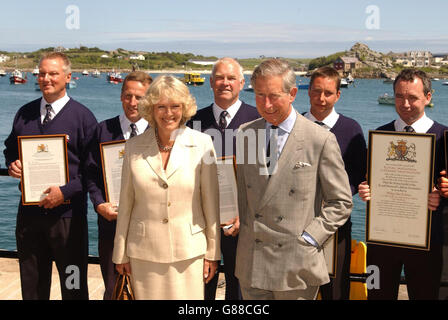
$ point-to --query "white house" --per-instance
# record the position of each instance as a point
(137, 57)
(4, 58)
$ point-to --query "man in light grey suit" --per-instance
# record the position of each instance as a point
(293, 193)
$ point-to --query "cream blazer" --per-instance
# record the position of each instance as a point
(173, 215)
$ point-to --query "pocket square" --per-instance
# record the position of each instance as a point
(301, 164)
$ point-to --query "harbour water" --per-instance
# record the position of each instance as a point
(358, 101)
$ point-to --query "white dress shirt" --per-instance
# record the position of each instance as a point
(422, 125)
(328, 122)
(56, 106)
(231, 111)
(125, 124)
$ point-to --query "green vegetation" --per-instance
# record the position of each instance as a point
(325, 61)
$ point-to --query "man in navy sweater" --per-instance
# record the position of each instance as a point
(324, 92)
(54, 230)
(221, 119)
(121, 127)
(422, 269)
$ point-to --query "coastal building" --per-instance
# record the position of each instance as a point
(137, 57)
(346, 64)
(419, 58)
(4, 58)
(202, 62)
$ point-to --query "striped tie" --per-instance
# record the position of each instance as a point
(409, 129)
(133, 130)
(47, 115)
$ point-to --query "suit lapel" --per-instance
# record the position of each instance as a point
(152, 155)
(178, 152)
(291, 150)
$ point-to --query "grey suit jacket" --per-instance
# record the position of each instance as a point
(309, 192)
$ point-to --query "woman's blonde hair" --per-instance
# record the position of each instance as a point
(171, 88)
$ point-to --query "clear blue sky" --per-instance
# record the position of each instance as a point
(243, 28)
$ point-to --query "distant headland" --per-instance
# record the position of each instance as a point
(360, 61)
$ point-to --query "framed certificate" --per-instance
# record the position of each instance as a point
(228, 193)
(330, 254)
(44, 164)
(112, 154)
(400, 176)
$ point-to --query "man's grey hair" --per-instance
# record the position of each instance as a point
(273, 68)
(227, 60)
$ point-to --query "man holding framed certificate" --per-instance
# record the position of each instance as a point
(324, 92)
(105, 180)
(220, 120)
(54, 133)
(422, 266)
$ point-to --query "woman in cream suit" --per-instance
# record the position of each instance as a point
(167, 234)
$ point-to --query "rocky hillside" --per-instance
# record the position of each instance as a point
(375, 64)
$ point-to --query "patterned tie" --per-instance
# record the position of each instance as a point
(319, 123)
(409, 129)
(47, 115)
(133, 130)
(223, 120)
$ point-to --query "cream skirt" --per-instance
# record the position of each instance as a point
(181, 280)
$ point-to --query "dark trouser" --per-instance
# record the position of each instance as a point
(422, 271)
(228, 250)
(339, 287)
(44, 238)
(106, 234)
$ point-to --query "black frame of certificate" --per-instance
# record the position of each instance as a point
(43, 137)
(332, 272)
(432, 138)
(102, 145)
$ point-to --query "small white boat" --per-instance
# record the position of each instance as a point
(2, 73)
(71, 85)
(386, 99)
(344, 83)
(96, 73)
(36, 71)
(389, 80)
(435, 79)
(249, 88)
(350, 79)
(445, 83)
(85, 73)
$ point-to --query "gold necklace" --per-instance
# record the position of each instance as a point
(159, 144)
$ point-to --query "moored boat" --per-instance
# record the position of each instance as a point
(17, 77)
(344, 83)
(71, 85)
(114, 77)
(85, 73)
(96, 73)
(35, 71)
(445, 83)
(2, 73)
(249, 88)
(390, 100)
(386, 99)
(193, 78)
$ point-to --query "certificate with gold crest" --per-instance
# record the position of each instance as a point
(400, 176)
(44, 164)
(112, 154)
